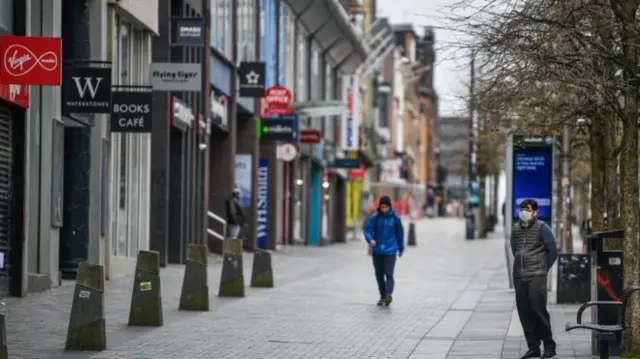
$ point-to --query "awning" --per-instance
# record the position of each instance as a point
(328, 23)
(319, 108)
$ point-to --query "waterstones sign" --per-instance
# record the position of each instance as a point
(263, 201)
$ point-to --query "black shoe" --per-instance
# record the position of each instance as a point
(387, 300)
(531, 353)
(380, 302)
(549, 354)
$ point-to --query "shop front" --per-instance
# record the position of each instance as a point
(14, 100)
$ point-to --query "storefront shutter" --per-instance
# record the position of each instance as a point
(6, 161)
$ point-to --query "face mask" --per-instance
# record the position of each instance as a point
(525, 216)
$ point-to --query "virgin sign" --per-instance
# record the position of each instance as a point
(30, 60)
(277, 96)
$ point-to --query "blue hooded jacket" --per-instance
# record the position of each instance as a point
(389, 234)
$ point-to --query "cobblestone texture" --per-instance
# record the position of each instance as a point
(452, 301)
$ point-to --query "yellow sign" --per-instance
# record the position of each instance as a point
(145, 286)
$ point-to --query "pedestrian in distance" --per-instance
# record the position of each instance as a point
(235, 215)
(385, 236)
(534, 251)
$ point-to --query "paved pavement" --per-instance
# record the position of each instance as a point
(452, 301)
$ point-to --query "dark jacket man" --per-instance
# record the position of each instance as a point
(534, 250)
(235, 216)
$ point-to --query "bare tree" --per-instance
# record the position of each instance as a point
(546, 63)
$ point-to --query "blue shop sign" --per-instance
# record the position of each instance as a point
(318, 151)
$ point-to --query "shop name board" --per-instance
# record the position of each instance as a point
(131, 112)
(30, 60)
(188, 31)
(284, 128)
(167, 76)
(351, 120)
(310, 136)
(263, 203)
(345, 163)
(86, 89)
(182, 116)
(219, 110)
(16, 94)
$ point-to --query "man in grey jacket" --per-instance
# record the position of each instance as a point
(534, 251)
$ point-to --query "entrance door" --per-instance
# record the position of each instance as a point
(6, 194)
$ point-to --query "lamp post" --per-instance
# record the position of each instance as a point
(470, 221)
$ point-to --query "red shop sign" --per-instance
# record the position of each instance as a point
(357, 173)
(30, 60)
(15, 94)
(309, 136)
(277, 96)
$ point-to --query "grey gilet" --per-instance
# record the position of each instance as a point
(531, 256)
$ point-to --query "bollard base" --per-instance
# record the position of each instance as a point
(232, 276)
(262, 271)
(262, 280)
(4, 352)
(198, 300)
(88, 337)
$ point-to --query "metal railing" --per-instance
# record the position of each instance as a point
(222, 221)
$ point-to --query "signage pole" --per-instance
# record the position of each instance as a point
(205, 104)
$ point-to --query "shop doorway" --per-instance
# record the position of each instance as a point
(11, 201)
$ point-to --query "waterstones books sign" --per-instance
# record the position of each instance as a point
(351, 120)
(263, 201)
(131, 111)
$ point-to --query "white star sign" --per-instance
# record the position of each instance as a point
(252, 78)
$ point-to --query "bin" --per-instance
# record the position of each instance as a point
(607, 284)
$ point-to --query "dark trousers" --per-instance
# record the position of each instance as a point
(384, 266)
(531, 301)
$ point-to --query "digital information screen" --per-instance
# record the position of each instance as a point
(533, 179)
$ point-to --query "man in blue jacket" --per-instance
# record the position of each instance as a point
(385, 236)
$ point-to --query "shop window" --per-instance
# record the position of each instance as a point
(221, 26)
(246, 30)
(129, 152)
(301, 65)
(6, 16)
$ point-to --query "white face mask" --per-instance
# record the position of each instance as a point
(525, 216)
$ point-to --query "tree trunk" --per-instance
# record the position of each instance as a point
(630, 209)
(482, 207)
(598, 171)
(557, 217)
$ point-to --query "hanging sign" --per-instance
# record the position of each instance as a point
(263, 203)
(252, 79)
(286, 152)
(131, 111)
(86, 89)
(29, 60)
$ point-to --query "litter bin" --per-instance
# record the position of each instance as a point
(606, 284)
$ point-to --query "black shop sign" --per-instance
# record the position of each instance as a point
(131, 112)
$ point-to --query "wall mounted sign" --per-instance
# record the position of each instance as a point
(252, 79)
(182, 116)
(351, 120)
(28, 60)
(15, 94)
(263, 203)
(219, 110)
(286, 152)
(131, 111)
(188, 31)
(86, 89)
(283, 128)
(310, 136)
(166, 76)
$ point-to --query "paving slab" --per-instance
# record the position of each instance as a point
(451, 301)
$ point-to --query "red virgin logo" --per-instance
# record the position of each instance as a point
(30, 60)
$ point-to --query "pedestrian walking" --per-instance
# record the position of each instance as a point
(385, 236)
(235, 215)
(534, 250)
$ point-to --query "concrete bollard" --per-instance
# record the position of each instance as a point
(86, 324)
(411, 237)
(4, 350)
(195, 288)
(146, 301)
(232, 277)
(262, 271)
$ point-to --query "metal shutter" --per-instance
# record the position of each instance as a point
(6, 161)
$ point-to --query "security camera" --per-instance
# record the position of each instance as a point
(202, 146)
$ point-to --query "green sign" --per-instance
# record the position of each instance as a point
(281, 128)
